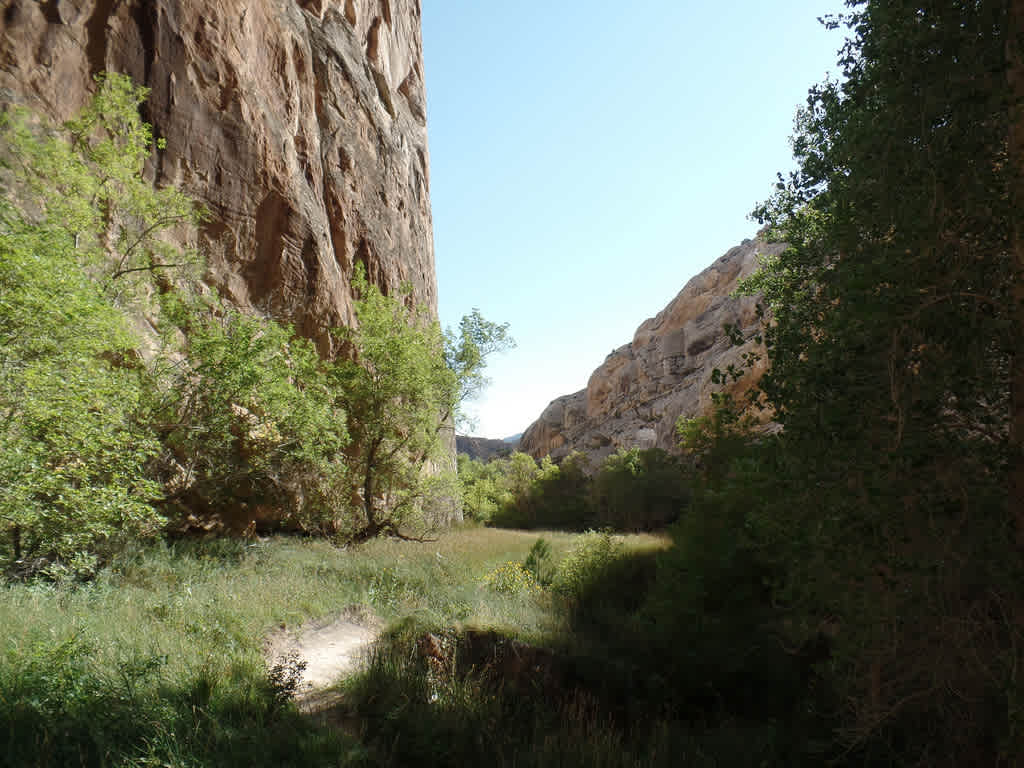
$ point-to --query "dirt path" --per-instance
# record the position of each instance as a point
(329, 650)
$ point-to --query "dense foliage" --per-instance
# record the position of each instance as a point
(632, 490)
(845, 591)
(402, 392)
(73, 455)
(848, 587)
(130, 393)
(77, 225)
(890, 335)
(248, 419)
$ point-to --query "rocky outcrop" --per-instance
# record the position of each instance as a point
(483, 448)
(299, 124)
(636, 396)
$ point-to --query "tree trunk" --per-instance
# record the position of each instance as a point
(368, 477)
(1015, 80)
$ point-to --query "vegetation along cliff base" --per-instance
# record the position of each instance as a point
(842, 591)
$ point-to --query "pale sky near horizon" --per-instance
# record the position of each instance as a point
(588, 158)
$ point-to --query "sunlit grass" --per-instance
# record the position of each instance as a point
(175, 634)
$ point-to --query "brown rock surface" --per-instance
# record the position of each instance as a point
(300, 125)
(637, 394)
(484, 448)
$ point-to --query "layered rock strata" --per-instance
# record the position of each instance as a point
(299, 124)
(637, 394)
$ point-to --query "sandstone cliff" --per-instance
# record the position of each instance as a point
(636, 395)
(299, 124)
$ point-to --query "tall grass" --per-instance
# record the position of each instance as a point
(433, 696)
(159, 660)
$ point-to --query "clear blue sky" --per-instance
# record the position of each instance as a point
(588, 157)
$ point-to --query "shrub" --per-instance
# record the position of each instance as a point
(73, 453)
(595, 553)
(404, 386)
(511, 578)
(639, 489)
(249, 417)
(481, 488)
(497, 491)
(560, 495)
(540, 563)
(555, 495)
(721, 639)
(80, 233)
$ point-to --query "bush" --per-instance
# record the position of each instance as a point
(511, 578)
(633, 490)
(713, 622)
(481, 488)
(584, 564)
(560, 495)
(639, 489)
(496, 491)
(79, 236)
(250, 418)
(73, 452)
(553, 496)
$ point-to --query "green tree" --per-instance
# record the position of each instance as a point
(401, 392)
(639, 489)
(559, 495)
(482, 486)
(890, 338)
(74, 452)
(466, 353)
(88, 180)
(73, 457)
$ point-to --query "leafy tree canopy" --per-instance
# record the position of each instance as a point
(890, 334)
(402, 392)
(74, 454)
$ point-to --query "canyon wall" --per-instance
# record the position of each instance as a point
(637, 394)
(299, 124)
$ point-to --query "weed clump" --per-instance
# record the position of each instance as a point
(511, 578)
(540, 562)
(585, 563)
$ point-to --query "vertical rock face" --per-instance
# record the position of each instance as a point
(299, 124)
(636, 396)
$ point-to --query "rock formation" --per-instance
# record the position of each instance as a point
(637, 394)
(483, 448)
(299, 124)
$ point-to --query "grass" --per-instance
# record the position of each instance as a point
(159, 660)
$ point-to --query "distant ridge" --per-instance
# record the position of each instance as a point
(485, 448)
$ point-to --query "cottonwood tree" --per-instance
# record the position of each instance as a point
(76, 221)
(401, 391)
(891, 337)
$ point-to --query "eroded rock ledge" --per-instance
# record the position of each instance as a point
(636, 395)
(299, 124)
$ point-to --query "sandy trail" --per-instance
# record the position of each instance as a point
(330, 651)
